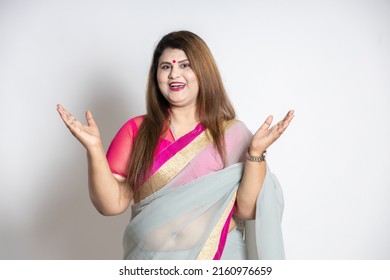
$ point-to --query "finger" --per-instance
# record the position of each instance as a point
(281, 126)
(74, 126)
(287, 119)
(89, 118)
(70, 121)
(60, 107)
(289, 115)
(265, 126)
(65, 116)
(267, 123)
(62, 110)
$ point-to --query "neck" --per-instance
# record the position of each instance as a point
(184, 116)
(182, 121)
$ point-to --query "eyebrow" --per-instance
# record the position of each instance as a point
(166, 62)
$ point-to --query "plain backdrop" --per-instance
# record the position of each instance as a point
(328, 60)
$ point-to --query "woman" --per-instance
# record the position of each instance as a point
(193, 172)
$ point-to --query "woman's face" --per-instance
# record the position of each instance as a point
(176, 80)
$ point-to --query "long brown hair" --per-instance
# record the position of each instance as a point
(213, 105)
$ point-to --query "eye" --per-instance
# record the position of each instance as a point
(165, 67)
(185, 65)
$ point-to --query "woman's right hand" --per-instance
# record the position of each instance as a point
(88, 135)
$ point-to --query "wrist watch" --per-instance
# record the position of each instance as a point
(255, 159)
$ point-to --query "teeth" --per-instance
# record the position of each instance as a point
(176, 85)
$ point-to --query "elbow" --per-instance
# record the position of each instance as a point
(246, 216)
(105, 212)
(109, 210)
(246, 213)
(245, 209)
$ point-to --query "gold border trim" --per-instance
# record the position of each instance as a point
(211, 246)
(174, 165)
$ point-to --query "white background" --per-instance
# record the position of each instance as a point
(328, 60)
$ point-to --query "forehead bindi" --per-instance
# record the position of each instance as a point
(173, 56)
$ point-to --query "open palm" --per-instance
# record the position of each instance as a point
(266, 135)
(88, 135)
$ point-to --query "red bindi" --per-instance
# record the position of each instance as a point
(174, 61)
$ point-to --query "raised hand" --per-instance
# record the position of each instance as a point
(88, 135)
(266, 135)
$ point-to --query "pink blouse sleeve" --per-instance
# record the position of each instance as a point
(119, 151)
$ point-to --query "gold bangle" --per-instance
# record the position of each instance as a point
(255, 159)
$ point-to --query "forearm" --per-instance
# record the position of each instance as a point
(108, 195)
(255, 172)
(249, 189)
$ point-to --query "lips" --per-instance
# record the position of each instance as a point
(176, 86)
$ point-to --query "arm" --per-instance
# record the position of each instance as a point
(109, 195)
(254, 172)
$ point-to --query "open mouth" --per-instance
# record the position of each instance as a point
(176, 86)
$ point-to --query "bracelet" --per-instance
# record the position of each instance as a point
(256, 159)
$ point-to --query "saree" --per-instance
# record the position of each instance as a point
(183, 210)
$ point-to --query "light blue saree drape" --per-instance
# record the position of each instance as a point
(185, 222)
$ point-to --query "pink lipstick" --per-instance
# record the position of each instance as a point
(176, 86)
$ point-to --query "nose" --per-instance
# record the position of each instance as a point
(174, 73)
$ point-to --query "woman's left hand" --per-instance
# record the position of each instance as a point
(266, 135)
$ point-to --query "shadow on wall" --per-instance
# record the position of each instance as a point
(112, 105)
(66, 225)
